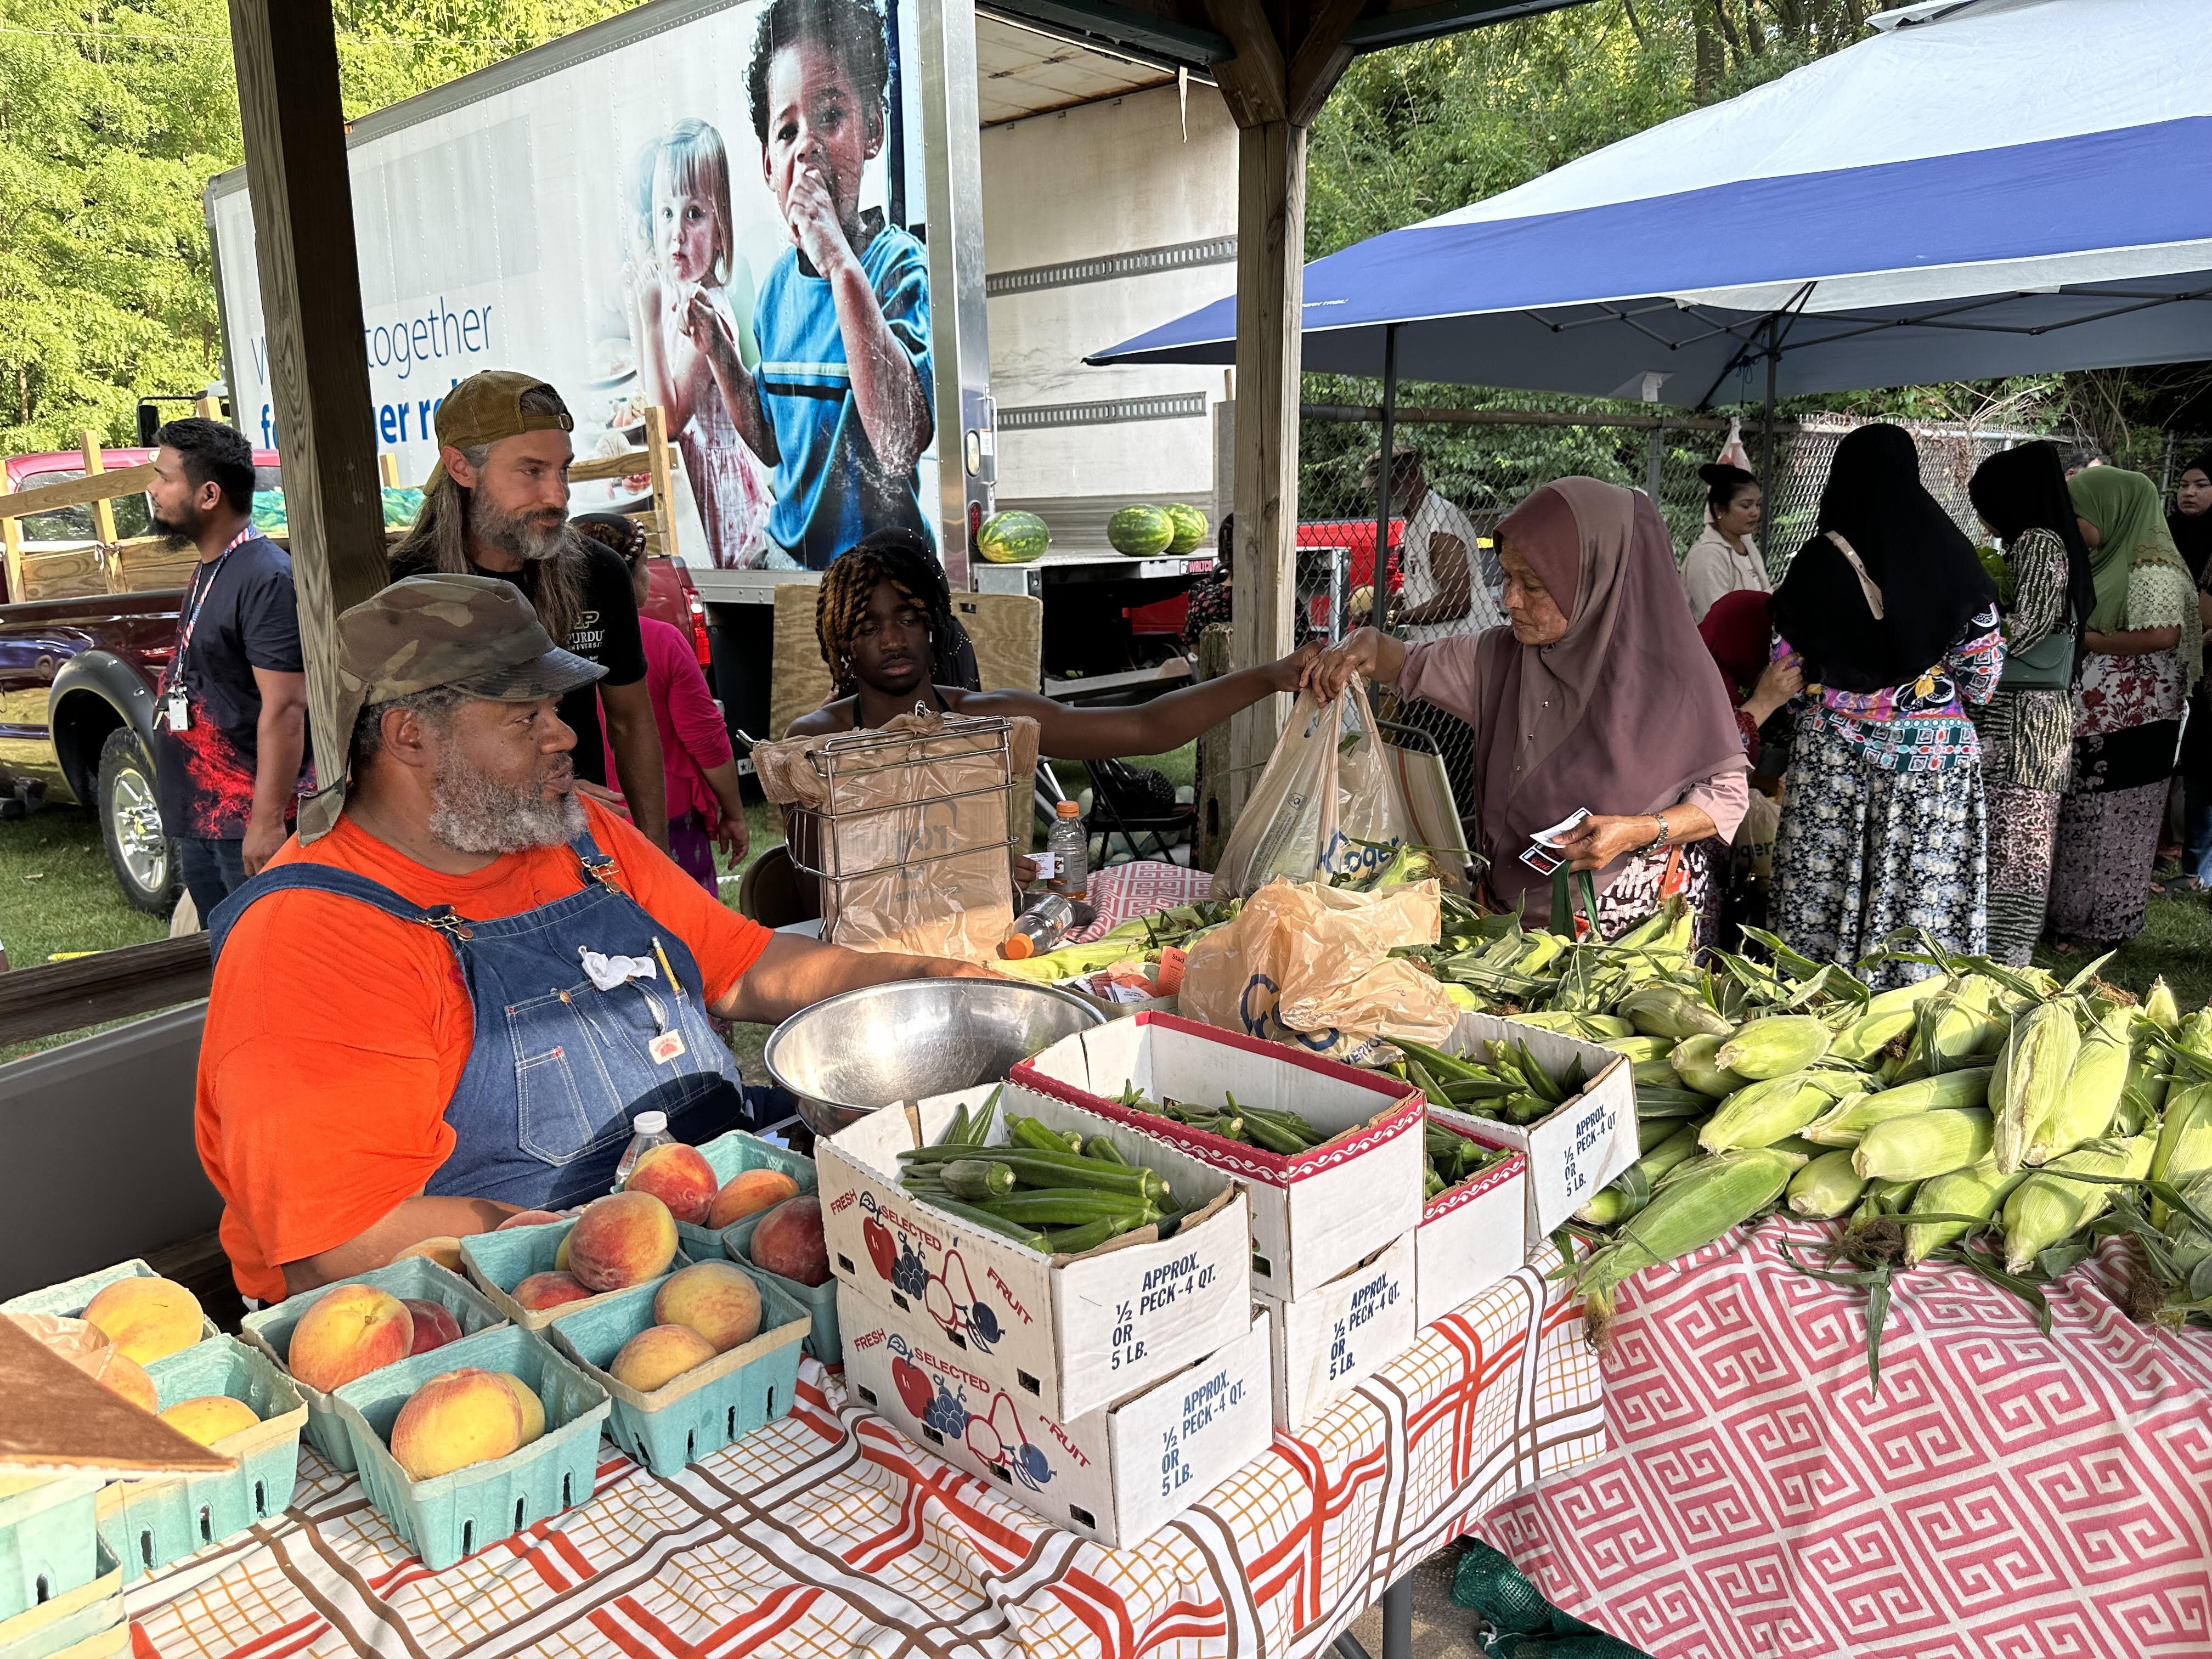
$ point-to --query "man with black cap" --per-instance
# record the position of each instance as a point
(443, 1003)
(497, 505)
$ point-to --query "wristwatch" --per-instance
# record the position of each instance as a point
(1659, 839)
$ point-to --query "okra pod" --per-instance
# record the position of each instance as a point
(974, 1180)
(1071, 1207)
(976, 1218)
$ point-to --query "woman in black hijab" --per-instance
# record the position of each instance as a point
(2190, 523)
(2027, 728)
(1882, 825)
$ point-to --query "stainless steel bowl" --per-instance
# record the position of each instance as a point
(883, 1044)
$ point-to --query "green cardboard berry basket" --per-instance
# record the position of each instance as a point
(452, 1515)
(729, 1156)
(824, 1340)
(58, 1626)
(270, 1329)
(498, 1261)
(721, 1400)
(150, 1523)
(72, 1297)
(49, 1545)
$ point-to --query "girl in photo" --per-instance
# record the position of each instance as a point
(692, 288)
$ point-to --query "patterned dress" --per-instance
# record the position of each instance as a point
(1882, 823)
(2025, 739)
(2126, 724)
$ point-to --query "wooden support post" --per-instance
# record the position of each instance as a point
(387, 469)
(11, 544)
(1270, 219)
(664, 483)
(1213, 813)
(103, 515)
(286, 56)
(208, 407)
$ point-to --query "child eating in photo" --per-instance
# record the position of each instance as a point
(689, 294)
(839, 404)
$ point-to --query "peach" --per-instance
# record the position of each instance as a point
(748, 1192)
(444, 1251)
(533, 1409)
(542, 1291)
(456, 1418)
(657, 1355)
(209, 1418)
(622, 1239)
(679, 1176)
(349, 1332)
(121, 1375)
(716, 1299)
(146, 1318)
(788, 1243)
(560, 1252)
(434, 1324)
(526, 1219)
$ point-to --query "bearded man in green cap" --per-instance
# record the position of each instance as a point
(497, 505)
(447, 1000)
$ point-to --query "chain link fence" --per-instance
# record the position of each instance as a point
(1486, 461)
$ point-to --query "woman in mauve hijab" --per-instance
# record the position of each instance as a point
(1599, 695)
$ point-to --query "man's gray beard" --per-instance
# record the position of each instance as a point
(517, 537)
(471, 813)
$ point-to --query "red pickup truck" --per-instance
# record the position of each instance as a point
(77, 676)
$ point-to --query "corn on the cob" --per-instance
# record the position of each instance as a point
(2183, 1150)
(1761, 1114)
(1854, 1114)
(1954, 1028)
(1977, 1191)
(2047, 1207)
(1650, 1131)
(2150, 1070)
(1870, 1033)
(2035, 1061)
(1590, 1028)
(1922, 1145)
(1668, 1011)
(2195, 1035)
(2084, 1109)
(1826, 1186)
(1633, 1191)
(1906, 997)
(1647, 1058)
(1883, 1198)
(1689, 1212)
(1773, 1047)
(2161, 1009)
(1692, 1060)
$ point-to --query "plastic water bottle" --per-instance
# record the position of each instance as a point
(651, 1130)
(1069, 844)
(1041, 927)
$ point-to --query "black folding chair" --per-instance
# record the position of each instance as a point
(1127, 801)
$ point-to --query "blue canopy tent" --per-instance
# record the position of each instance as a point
(1983, 188)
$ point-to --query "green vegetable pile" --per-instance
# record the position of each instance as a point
(1284, 1132)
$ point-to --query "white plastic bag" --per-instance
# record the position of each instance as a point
(1327, 804)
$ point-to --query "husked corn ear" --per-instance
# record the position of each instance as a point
(2035, 1062)
(2047, 1207)
(1668, 1011)
(1773, 1047)
(1691, 1211)
(2184, 1148)
(1924, 1144)
(1976, 1191)
(2161, 1009)
(1870, 1033)
(1693, 1063)
(1632, 1190)
(2084, 1109)
(1761, 1114)
(1826, 1186)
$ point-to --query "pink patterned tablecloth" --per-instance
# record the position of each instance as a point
(1122, 890)
(2006, 1495)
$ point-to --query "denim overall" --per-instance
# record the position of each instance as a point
(542, 1112)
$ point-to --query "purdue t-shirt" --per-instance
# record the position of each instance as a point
(606, 633)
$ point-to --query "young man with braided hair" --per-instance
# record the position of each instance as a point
(884, 619)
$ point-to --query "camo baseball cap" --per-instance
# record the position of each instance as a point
(476, 634)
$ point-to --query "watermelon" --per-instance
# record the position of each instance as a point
(1190, 527)
(1141, 531)
(1013, 537)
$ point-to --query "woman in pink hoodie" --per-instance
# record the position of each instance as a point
(704, 805)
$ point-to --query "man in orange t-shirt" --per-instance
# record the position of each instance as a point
(442, 1003)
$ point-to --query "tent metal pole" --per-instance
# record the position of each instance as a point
(1385, 474)
(1766, 426)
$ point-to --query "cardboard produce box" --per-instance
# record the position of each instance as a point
(1315, 1214)
(1065, 1335)
(1473, 1235)
(1585, 1142)
(1115, 1474)
(1321, 1346)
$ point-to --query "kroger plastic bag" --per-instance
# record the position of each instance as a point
(1327, 804)
(1310, 965)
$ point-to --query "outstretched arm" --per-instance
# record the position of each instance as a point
(1152, 728)
(794, 973)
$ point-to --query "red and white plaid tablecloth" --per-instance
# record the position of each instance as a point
(828, 1534)
(2006, 1495)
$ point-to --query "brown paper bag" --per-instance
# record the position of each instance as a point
(1310, 965)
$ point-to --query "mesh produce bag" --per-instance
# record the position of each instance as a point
(1523, 1624)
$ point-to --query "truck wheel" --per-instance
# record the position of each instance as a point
(138, 849)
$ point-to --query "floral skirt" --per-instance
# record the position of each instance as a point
(1863, 851)
(2023, 824)
(1635, 892)
(2108, 828)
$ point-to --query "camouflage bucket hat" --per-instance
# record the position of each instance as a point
(476, 634)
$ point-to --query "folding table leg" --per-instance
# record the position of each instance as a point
(1397, 1626)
